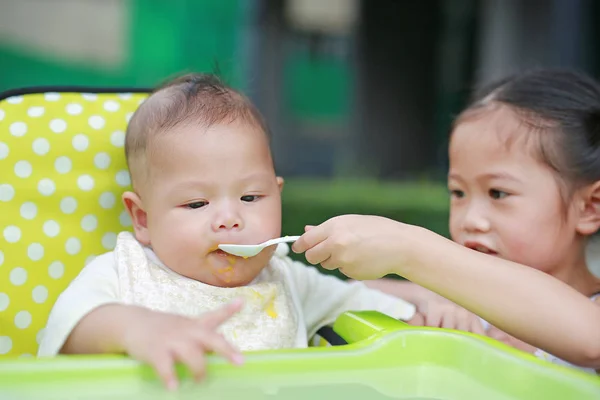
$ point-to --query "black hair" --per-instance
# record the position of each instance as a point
(564, 107)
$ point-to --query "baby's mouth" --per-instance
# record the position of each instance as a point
(220, 253)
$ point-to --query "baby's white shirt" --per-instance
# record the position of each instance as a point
(284, 306)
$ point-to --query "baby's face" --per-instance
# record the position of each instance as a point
(506, 202)
(209, 187)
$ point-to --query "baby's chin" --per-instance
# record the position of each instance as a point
(227, 270)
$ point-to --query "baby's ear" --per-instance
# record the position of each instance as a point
(139, 217)
(589, 218)
(280, 183)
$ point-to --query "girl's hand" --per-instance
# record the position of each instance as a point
(361, 247)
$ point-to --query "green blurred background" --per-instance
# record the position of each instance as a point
(359, 94)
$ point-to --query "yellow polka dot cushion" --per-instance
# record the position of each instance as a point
(62, 172)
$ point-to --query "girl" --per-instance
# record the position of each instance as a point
(524, 180)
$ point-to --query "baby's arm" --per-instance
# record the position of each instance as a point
(324, 297)
(89, 318)
(406, 290)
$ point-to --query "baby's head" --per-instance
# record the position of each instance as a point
(525, 170)
(202, 173)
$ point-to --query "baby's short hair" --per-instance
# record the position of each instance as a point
(201, 99)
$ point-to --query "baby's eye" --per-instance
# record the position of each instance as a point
(250, 198)
(459, 194)
(197, 204)
(497, 194)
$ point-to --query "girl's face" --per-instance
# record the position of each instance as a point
(504, 201)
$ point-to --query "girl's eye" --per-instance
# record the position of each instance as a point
(250, 198)
(197, 204)
(459, 194)
(497, 194)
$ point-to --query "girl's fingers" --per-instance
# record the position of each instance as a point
(310, 239)
(318, 254)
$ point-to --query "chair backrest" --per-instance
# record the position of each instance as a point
(62, 173)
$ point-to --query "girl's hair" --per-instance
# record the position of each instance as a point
(563, 108)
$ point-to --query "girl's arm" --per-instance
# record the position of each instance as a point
(522, 301)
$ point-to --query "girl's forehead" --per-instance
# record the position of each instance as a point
(498, 129)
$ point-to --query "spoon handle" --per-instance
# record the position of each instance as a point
(281, 240)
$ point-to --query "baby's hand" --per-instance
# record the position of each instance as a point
(445, 314)
(162, 339)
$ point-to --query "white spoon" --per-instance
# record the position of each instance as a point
(250, 250)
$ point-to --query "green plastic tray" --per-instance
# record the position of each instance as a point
(385, 359)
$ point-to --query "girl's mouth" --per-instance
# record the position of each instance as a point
(480, 248)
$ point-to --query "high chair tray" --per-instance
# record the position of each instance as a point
(385, 359)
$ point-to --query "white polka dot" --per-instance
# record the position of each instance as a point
(23, 169)
(23, 319)
(85, 182)
(28, 210)
(52, 96)
(2, 113)
(56, 270)
(109, 240)
(122, 178)
(18, 129)
(124, 96)
(89, 223)
(46, 187)
(111, 106)
(96, 122)
(40, 146)
(58, 125)
(35, 252)
(73, 246)
(51, 228)
(5, 344)
(12, 234)
(4, 301)
(117, 138)
(4, 150)
(68, 205)
(40, 335)
(102, 160)
(125, 219)
(107, 200)
(35, 112)
(89, 96)
(7, 192)
(63, 165)
(1, 257)
(39, 294)
(18, 276)
(128, 116)
(74, 109)
(15, 99)
(80, 142)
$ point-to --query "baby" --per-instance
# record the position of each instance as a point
(202, 172)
